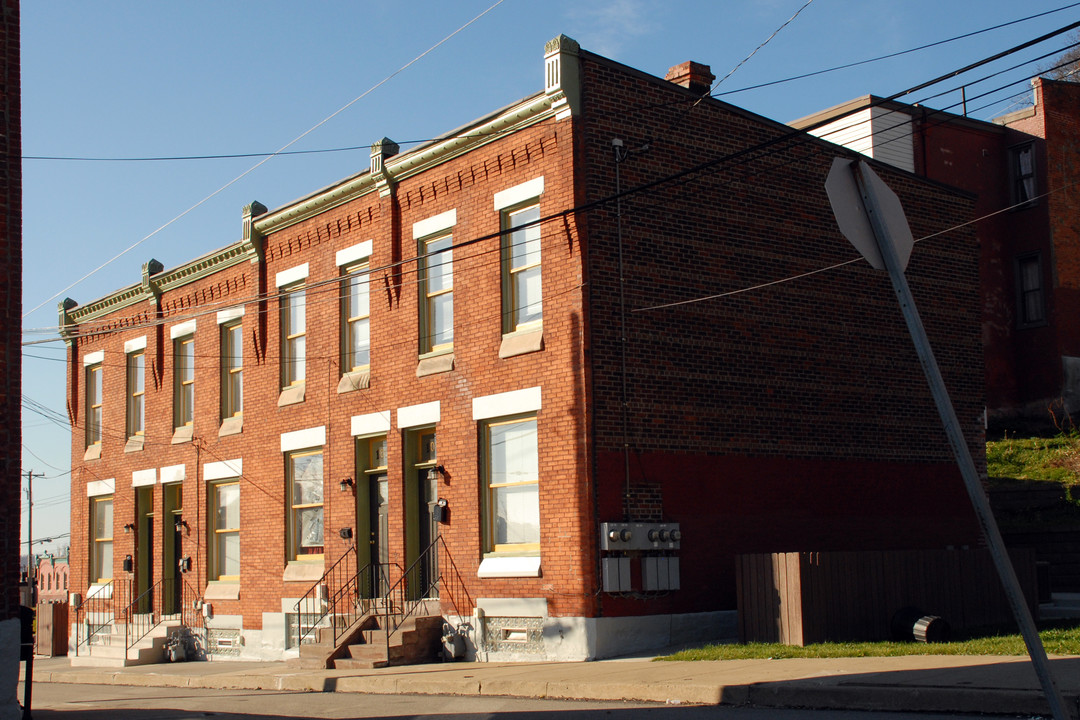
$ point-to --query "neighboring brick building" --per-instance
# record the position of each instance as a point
(1020, 167)
(10, 351)
(250, 416)
(52, 579)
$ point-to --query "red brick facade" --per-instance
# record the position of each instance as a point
(789, 418)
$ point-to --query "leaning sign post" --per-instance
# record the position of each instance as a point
(871, 217)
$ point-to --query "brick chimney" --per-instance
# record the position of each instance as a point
(694, 76)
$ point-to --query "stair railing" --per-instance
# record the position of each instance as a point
(339, 575)
(405, 596)
(94, 614)
(146, 612)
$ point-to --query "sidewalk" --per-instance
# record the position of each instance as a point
(994, 685)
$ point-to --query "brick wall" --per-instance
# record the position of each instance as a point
(795, 416)
(10, 304)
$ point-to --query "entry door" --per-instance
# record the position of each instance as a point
(380, 533)
(144, 548)
(173, 548)
(428, 494)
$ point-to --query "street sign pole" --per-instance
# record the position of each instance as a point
(876, 214)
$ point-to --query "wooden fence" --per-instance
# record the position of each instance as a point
(800, 598)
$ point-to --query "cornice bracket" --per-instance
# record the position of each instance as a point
(381, 151)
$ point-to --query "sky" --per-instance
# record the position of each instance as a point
(121, 81)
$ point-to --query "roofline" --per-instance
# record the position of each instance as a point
(867, 101)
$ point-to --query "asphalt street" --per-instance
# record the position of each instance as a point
(61, 701)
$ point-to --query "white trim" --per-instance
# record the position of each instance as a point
(138, 343)
(519, 193)
(300, 439)
(507, 403)
(295, 274)
(223, 469)
(140, 478)
(371, 424)
(513, 607)
(434, 224)
(504, 567)
(95, 488)
(173, 473)
(228, 314)
(182, 329)
(352, 254)
(417, 415)
(94, 358)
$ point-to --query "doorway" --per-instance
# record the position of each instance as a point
(144, 548)
(172, 530)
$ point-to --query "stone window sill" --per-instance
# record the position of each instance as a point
(302, 572)
(354, 380)
(521, 343)
(93, 452)
(291, 395)
(134, 444)
(512, 566)
(222, 590)
(435, 364)
(231, 426)
(183, 434)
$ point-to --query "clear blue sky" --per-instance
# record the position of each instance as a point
(112, 79)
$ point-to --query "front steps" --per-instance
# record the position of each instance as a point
(107, 650)
(417, 640)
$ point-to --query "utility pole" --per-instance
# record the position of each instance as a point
(31, 584)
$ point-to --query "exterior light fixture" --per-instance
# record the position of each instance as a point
(346, 483)
(129, 527)
(435, 472)
(180, 524)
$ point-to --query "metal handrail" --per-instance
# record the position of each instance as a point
(139, 624)
(398, 595)
(99, 605)
(337, 576)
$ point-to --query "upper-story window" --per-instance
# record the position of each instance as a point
(356, 325)
(183, 381)
(522, 306)
(93, 404)
(1022, 172)
(136, 393)
(437, 288)
(293, 335)
(232, 369)
(1030, 299)
(519, 209)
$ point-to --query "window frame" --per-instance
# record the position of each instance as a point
(1023, 321)
(98, 542)
(429, 298)
(512, 308)
(232, 369)
(216, 562)
(293, 363)
(183, 387)
(294, 509)
(491, 547)
(136, 393)
(1023, 195)
(94, 410)
(354, 275)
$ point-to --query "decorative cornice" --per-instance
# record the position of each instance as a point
(528, 112)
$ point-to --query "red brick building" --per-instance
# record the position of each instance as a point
(464, 342)
(1019, 167)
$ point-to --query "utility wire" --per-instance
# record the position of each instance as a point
(267, 159)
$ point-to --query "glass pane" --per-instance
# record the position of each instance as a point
(383, 491)
(137, 413)
(234, 356)
(187, 403)
(95, 425)
(236, 392)
(186, 361)
(137, 373)
(307, 479)
(296, 318)
(428, 447)
(360, 346)
(103, 519)
(525, 243)
(527, 294)
(442, 326)
(297, 348)
(93, 386)
(517, 514)
(311, 527)
(103, 559)
(359, 300)
(513, 453)
(228, 507)
(228, 553)
(440, 275)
